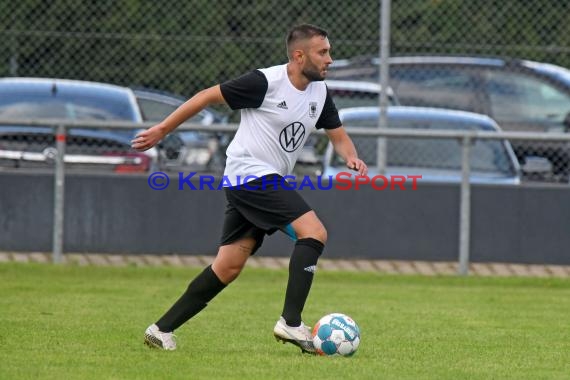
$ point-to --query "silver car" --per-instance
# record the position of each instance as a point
(436, 160)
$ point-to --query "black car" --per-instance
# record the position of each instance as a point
(520, 95)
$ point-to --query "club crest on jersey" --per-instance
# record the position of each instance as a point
(313, 109)
(291, 137)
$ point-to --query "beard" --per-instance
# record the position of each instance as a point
(313, 74)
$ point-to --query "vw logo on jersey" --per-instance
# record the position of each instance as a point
(291, 137)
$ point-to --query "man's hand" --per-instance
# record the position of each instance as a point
(148, 138)
(357, 165)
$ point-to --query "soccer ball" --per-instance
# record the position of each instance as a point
(336, 334)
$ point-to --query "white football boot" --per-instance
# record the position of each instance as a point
(299, 336)
(153, 337)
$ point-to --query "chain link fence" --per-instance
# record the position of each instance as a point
(503, 59)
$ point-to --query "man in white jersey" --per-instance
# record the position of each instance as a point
(280, 107)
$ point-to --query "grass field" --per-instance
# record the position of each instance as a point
(66, 322)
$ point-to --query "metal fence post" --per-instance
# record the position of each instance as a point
(465, 206)
(59, 192)
(384, 82)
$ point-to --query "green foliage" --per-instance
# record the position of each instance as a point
(183, 46)
(515, 28)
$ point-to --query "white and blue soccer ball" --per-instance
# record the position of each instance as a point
(336, 334)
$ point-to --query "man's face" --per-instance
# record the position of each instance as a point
(317, 58)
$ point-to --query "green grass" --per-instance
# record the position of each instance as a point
(66, 322)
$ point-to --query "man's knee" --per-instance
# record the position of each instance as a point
(227, 271)
(310, 226)
(320, 234)
(315, 230)
(231, 259)
(232, 272)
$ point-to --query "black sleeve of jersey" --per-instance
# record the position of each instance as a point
(329, 117)
(246, 91)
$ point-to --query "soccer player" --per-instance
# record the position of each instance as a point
(280, 106)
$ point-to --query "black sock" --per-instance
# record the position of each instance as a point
(200, 291)
(302, 267)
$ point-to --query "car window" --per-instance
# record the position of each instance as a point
(155, 110)
(438, 86)
(517, 97)
(29, 105)
(486, 155)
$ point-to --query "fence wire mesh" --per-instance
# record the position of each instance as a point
(504, 59)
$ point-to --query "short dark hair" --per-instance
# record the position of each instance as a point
(303, 32)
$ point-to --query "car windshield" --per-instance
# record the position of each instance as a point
(486, 155)
(29, 104)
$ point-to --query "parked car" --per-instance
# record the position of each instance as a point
(40, 98)
(436, 160)
(155, 105)
(345, 94)
(353, 93)
(205, 148)
(85, 150)
(520, 95)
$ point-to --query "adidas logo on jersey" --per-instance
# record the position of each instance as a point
(282, 105)
(311, 269)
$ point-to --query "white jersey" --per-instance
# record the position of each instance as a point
(276, 121)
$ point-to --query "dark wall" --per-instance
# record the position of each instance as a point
(525, 224)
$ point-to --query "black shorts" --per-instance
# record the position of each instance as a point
(262, 208)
